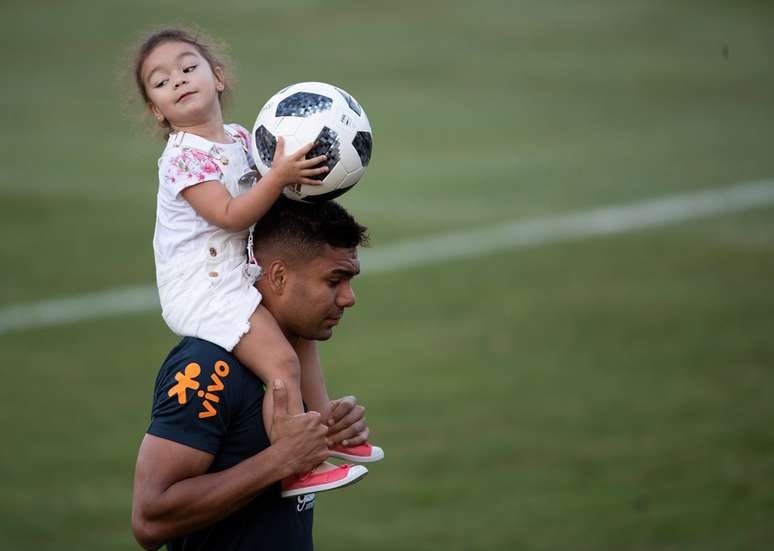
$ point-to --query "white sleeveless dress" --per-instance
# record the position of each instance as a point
(206, 285)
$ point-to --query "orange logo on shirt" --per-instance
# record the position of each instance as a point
(187, 379)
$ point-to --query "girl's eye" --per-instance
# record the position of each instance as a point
(160, 84)
(189, 68)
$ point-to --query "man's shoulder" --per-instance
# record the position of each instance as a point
(194, 357)
(200, 391)
(195, 368)
(191, 349)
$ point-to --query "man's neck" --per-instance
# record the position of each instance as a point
(292, 339)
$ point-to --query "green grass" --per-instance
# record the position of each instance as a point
(611, 393)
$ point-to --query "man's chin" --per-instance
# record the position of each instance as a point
(325, 330)
(324, 335)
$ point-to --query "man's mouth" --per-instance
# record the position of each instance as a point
(187, 94)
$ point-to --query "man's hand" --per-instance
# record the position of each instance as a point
(346, 424)
(301, 437)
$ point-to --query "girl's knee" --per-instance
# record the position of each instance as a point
(285, 361)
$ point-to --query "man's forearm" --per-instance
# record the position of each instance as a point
(196, 502)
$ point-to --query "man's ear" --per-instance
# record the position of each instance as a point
(276, 276)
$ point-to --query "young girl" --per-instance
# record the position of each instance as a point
(207, 201)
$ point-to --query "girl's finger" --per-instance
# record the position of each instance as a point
(279, 150)
(303, 151)
(314, 171)
(309, 181)
(314, 161)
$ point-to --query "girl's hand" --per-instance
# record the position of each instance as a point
(295, 168)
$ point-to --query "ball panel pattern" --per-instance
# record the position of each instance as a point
(265, 143)
(351, 102)
(327, 144)
(303, 104)
(363, 144)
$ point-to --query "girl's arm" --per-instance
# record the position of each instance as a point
(212, 201)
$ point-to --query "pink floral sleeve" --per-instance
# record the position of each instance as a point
(187, 167)
(246, 139)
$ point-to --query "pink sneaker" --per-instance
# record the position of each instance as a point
(313, 482)
(364, 453)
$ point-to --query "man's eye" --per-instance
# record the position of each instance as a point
(333, 282)
(189, 68)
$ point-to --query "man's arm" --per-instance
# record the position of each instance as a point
(174, 495)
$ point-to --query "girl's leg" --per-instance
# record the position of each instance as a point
(316, 397)
(265, 351)
(312, 381)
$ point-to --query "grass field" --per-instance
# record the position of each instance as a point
(607, 393)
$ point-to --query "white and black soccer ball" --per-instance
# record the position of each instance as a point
(323, 114)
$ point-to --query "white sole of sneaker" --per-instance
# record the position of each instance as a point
(355, 474)
(377, 455)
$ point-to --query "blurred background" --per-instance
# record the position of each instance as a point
(606, 391)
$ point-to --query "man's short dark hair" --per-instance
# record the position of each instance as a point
(305, 227)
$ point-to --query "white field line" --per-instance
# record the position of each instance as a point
(434, 249)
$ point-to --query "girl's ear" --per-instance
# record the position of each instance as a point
(156, 113)
(220, 77)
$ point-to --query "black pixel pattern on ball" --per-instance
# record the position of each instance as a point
(363, 145)
(351, 102)
(327, 144)
(266, 143)
(303, 104)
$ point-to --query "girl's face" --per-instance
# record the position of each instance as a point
(181, 85)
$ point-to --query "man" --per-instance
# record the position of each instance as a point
(207, 474)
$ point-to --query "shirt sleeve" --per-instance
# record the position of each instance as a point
(186, 167)
(247, 142)
(191, 405)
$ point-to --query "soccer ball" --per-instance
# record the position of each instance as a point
(323, 114)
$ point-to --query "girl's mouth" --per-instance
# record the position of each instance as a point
(187, 94)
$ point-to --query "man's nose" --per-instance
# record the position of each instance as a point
(346, 297)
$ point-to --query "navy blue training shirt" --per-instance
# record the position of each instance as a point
(206, 400)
